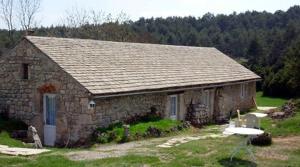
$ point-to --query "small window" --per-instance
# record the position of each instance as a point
(25, 71)
(243, 90)
(206, 97)
(92, 104)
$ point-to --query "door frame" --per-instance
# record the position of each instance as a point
(44, 118)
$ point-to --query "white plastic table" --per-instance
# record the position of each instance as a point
(246, 132)
(259, 116)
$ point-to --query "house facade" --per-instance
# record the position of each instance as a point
(68, 87)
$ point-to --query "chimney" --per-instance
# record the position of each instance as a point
(29, 32)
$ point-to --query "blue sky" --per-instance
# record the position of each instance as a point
(52, 11)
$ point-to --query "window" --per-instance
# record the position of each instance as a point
(25, 71)
(206, 99)
(173, 106)
(243, 90)
(92, 104)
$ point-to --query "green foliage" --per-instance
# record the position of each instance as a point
(10, 125)
(268, 42)
(116, 132)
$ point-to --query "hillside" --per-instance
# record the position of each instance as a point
(267, 43)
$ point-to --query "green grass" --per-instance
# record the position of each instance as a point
(6, 127)
(269, 101)
(164, 124)
(208, 152)
(137, 128)
(5, 139)
(289, 126)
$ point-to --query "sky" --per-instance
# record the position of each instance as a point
(53, 11)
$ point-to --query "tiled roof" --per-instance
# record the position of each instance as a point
(105, 67)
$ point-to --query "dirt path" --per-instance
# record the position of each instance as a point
(276, 151)
(144, 147)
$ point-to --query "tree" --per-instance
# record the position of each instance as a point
(7, 16)
(255, 52)
(27, 10)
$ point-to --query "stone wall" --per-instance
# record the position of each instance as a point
(24, 98)
(228, 99)
(109, 110)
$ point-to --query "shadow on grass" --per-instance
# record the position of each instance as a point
(236, 162)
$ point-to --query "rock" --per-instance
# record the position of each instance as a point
(278, 115)
(33, 133)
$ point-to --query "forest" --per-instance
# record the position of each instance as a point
(267, 43)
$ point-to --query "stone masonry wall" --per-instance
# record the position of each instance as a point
(228, 99)
(110, 110)
(24, 98)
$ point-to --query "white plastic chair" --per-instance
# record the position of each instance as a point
(251, 121)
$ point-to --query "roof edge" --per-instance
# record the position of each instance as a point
(174, 89)
(89, 39)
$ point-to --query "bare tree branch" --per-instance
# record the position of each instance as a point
(27, 11)
(77, 17)
(6, 13)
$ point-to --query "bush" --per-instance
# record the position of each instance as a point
(153, 132)
(103, 138)
(11, 125)
(115, 132)
(124, 139)
(264, 139)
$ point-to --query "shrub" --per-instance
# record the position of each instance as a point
(103, 138)
(153, 132)
(115, 132)
(124, 139)
(264, 139)
(11, 125)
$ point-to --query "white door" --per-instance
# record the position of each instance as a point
(173, 107)
(49, 119)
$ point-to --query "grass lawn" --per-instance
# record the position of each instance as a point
(5, 139)
(211, 152)
(269, 101)
(289, 126)
(208, 152)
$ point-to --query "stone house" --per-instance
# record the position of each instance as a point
(67, 87)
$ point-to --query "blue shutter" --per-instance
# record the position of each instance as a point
(50, 110)
(173, 105)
